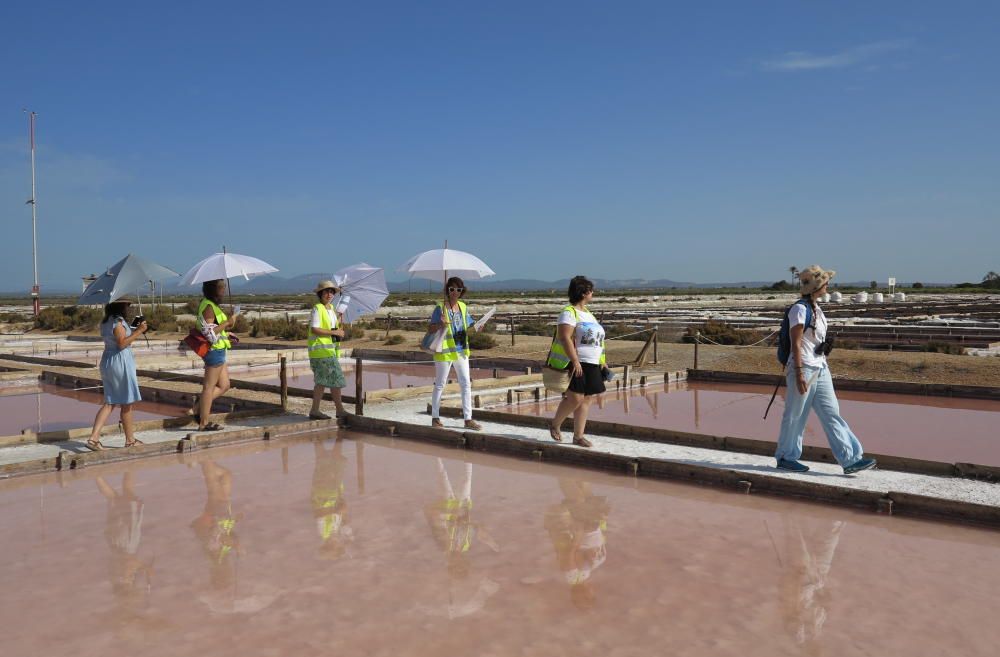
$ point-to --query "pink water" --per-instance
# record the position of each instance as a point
(376, 376)
(935, 428)
(53, 408)
(341, 548)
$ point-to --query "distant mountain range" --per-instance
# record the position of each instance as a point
(271, 284)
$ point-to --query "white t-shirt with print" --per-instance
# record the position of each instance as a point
(810, 338)
(588, 335)
(314, 320)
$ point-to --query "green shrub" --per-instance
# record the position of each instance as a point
(481, 340)
(944, 348)
(161, 318)
(287, 329)
(14, 317)
(242, 324)
(66, 318)
(353, 332)
(533, 328)
(618, 330)
(722, 333)
(395, 338)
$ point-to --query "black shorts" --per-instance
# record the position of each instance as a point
(591, 383)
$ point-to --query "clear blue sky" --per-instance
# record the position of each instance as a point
(711, 141)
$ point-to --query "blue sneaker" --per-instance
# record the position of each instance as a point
(794, 466)
(858, 466)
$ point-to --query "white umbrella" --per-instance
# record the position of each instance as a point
(226, 265)
(439, 264)
(124, 277)
(363, 290)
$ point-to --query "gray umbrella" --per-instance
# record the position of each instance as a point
(126, 276)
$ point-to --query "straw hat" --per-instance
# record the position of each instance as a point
(327, 285)
(813, 278)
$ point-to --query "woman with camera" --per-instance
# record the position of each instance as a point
(810, 386)
(453, 317)
(121, 386)
(580, 348)
(212, 323)
(325, 331)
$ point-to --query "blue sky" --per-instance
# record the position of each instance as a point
(709, 142)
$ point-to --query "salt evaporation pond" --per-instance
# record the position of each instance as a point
(49, 407)
(375, 375)
(935, 428)
(345, 547)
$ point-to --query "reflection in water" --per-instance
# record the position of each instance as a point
(216, 526)
(131, 577)
(454, 532)
(577, 527)
(329, 505)
(804, 594)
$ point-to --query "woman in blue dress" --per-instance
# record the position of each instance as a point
(121, 387)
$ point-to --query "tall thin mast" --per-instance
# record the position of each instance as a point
(35, 289)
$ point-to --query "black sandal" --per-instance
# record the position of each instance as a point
(211, 426)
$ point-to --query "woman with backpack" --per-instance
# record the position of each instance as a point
(578, 347)
(810, 386)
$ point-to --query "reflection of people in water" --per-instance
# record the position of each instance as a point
(216, 526)
(328, 502)
(804, 595)
(450, 521)
(577, 527)
(131, 577)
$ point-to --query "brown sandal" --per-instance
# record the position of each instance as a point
(555, 433)
(135, 441)
(95, 445)
(581, 441)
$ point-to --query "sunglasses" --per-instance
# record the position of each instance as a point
(328, 290)
(456, 289)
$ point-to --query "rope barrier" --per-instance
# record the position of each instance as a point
(706, 340)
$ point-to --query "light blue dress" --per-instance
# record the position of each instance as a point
(118, 366)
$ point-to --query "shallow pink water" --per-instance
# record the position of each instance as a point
(55, 408)
(380, 376)
(342, 548)
(934, 428)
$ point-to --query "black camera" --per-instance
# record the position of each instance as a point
(462, 338)
(825, 347)
(139, 319)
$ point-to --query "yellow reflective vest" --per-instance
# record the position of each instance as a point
(558, 358)
(323, 346)
(220, 317)
(449, 350)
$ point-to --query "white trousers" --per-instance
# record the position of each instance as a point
(441, 370)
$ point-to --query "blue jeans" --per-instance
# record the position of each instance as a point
(215, 357)
(819, 397)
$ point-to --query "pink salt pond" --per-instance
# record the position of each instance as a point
(53, 408)
(933, 428)
(350, 548)
(376, 376)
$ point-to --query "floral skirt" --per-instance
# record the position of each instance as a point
(327, 372)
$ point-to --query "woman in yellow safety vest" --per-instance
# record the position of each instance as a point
(580, 347)
(324, 353)
(453, 316)
(213, 324)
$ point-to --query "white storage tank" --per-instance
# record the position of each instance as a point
(836, 297)
(878, 297)
(860, 297)
(899, 296)
(825, 298)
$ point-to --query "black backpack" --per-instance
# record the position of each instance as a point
(785, 334)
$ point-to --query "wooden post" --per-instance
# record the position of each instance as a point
(359, 401)
(697, 339)
(626, 371)
(283, 377)
(656, 342)
(512, 329)
(388, 325)
(496, 372)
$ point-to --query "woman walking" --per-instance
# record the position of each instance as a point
(453, 316)
(212, 323)
(121, 386)
(579, 346)
(324, 352)
(810, 386)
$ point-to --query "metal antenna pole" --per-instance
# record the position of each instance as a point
(35, 290)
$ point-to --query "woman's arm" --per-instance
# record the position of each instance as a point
(437, 321)
(124, 340)
(566, 338)
(796, 334)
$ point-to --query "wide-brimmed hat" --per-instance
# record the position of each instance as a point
(327, 285)
(126, 300)
(813, 278)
